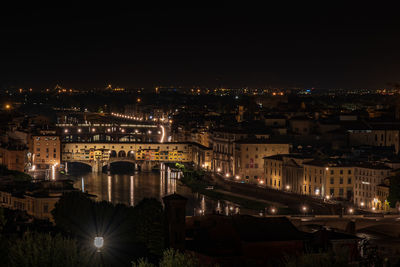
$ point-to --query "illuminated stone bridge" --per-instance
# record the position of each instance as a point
(144, 155)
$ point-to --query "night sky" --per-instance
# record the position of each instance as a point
(230, 46)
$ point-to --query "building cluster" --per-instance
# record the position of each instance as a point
(346, 150)
(346, 153)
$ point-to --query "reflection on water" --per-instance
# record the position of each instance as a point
(129, 189)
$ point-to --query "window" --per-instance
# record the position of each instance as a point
(54, 155)
(332, 181)
(54, 150)
(341, 171)
(332, 191)
(348, 180)
(341, 180)
(349, 172)
(340, 191)
(38, 149)
(46, 208)
(332, 172)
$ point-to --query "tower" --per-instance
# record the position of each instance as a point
(175, 212)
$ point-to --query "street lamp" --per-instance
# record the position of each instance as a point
(98, 242)
(287, 187)
(237, 177)
(351, 211)
(304, 209)
(227, 175)
(273, 210)
(362, 204)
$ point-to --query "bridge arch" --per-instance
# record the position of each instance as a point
(122, 154)
(131, 154)
(79, 165)
(113, 154)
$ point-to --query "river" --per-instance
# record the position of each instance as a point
(129, 189)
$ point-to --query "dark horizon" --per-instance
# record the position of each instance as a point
(216, 47)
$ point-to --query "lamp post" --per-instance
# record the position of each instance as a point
(304, 209)
(99, 243)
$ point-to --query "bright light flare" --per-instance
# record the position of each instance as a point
(98, 242)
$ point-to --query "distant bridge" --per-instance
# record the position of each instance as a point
(144, 155)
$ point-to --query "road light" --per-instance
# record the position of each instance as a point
(261, 182)
(98, 242)
(304, 209)
(227, 175)
(237, 177)
(219, 169)
(273, 210)
(328, 197)
(362, 204)
(351, 211)
(66, 131)
(79, 130)
(287, 187)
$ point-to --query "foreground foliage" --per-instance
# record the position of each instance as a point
(171, 258)
(36, 249)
